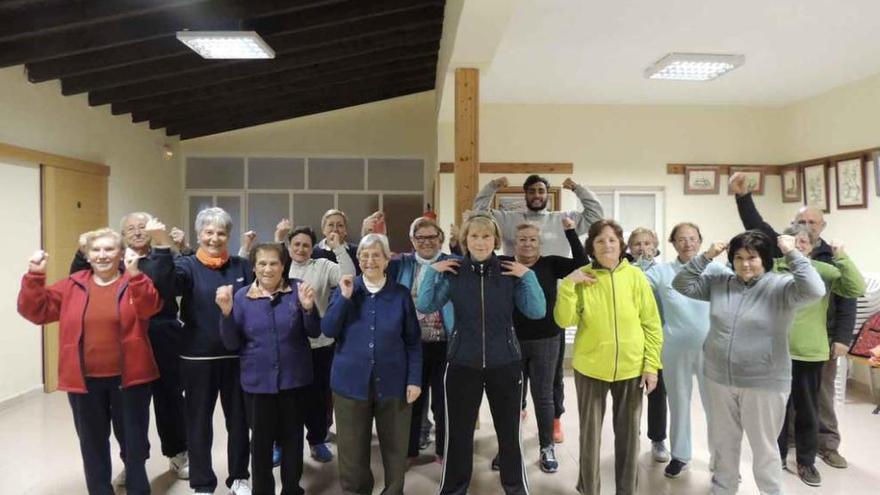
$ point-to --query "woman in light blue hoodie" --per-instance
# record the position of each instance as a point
(746, 364)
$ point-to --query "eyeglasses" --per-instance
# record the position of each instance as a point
(423, 239)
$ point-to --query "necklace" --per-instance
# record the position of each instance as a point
(104, 283)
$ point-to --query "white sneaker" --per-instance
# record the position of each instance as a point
(179, 465)
(240, 487)
(659, 452)
(119, 480)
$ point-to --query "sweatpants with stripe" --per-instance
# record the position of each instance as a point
(592, 395)
(757, 412)
(464, 393)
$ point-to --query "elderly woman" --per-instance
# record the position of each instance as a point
(746, 363)
(377, 369)
(408, 270)
(643, 249)
(207, 368)
(484, 354)
(808, 346)
(323, 276)
(616, 348)
(268, 323)
(685, 325)
(334, 227)
(105, 361)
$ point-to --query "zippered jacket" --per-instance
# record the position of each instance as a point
(619, 335)
(65, 302)
(483, 300)
(747, 344)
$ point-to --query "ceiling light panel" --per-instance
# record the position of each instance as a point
(693, 66)
(227, 44)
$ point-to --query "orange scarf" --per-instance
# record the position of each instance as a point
(212, 262)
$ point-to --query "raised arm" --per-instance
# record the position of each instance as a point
(483, 200)
(37, 303)
(691, 281)
(806, 286)
(232, 310)
(343, 259)
(748, 213)
(562, 266)
(592, 212)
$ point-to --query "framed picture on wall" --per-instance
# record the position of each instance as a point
(851, 182)
(514, 199)
(754, 179)
(816, 185)
(791, 184)
(701, 180)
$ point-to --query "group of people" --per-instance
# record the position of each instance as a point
(296, 335)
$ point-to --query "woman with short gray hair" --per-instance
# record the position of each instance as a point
(207, 369)
(377, 369)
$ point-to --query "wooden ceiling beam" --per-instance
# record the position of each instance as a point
(211, 15)
(160, 117)
(312, 40)
(363, 47)
(258, 106)
(291, 113)
(341, 68)
(41, 18)
(168, 47)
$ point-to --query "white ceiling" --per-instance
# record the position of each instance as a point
(594, 51)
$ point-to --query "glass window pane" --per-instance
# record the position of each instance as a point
(276, 173)
(309, 208)
(357, 207)
(232, 205)
(395, 175)
(264, 212)
(637, 210)
(402, 210)
(607, 200)
(214, 173)
(336, 173)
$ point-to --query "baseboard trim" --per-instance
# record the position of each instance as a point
(20, 397)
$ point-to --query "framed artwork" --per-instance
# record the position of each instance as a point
(816, 185)
(514, 199)
(851, 181)
(754, 179)
(701, 180)
(791, 184)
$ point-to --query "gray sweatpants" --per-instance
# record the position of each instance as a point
(759, 413)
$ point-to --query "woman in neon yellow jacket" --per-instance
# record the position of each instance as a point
(616, 348)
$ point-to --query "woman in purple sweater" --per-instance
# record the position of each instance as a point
(268, 322)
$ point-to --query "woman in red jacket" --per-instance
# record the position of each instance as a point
(105, 361)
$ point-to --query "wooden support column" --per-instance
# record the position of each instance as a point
(467, 139)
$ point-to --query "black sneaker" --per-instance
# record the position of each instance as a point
(496, 464)
(674, 468)
(809, 475)
(549, 464)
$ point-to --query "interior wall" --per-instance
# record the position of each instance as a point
(615, 145)
(403, 127)
(38, 117)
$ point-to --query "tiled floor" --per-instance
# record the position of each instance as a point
(39, 455)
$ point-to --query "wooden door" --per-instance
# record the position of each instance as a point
(73, 201)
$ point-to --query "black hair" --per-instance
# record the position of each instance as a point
(753, 240)
(303, 230)
(533, 179)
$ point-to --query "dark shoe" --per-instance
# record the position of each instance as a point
(674, 468)
(809, 475)
(496, 464)
(833, 458)
(549, 464)
(321, 453)
(276, 455)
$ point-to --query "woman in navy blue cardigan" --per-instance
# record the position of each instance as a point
(268, 323)
(377, 369)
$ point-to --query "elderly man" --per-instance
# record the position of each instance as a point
(536, 192)
(146, 236)
(841, 313)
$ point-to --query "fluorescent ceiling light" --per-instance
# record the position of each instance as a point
(693, 66)
(226, 44)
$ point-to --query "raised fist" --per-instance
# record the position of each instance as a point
(334, 240)
(567, 223)
(500, 182)
(131, 259)
(156, 230)
(306, 295)
(178, 237)
(786, 243)
(223, 298)
(283, 227)
(715, 249)
(738, 184)
(37, 261)
(569, 184)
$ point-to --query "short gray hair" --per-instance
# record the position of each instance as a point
(213, 216)
(146, 217)
(797, 229)
(371, 240)
(87, 238)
